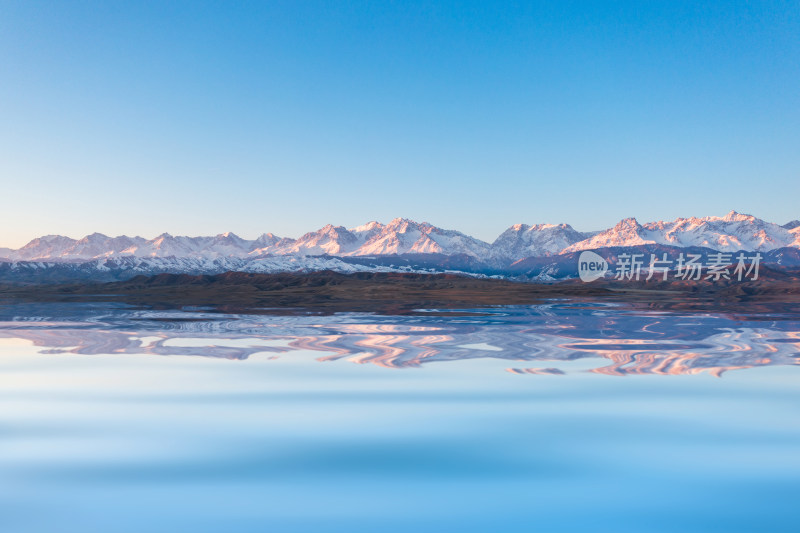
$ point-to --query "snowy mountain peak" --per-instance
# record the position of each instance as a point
(49, 239)
(521, 240)
(401, 224)
(369, 226)
(46, 246)
(265, 240)
(627, 223)
(329, 239)
(541, 227)
(733, 216)
(94, 237)
(228, 237)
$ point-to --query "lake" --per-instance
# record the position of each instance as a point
(563, 417)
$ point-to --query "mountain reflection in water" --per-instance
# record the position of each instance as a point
(533, 339)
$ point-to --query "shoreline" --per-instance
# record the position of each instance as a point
(397, 293)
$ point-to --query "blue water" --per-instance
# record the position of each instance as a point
(558, 418)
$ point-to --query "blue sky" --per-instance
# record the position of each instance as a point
(199, 118)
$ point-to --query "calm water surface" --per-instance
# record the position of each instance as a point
(558, 418)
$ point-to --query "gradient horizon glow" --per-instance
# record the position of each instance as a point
(199, 118)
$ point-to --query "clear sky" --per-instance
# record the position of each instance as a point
(199, 118)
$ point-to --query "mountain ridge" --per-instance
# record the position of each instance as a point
(402, 236)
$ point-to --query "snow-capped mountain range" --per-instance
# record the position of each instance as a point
(401, 236)
(730, 233)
